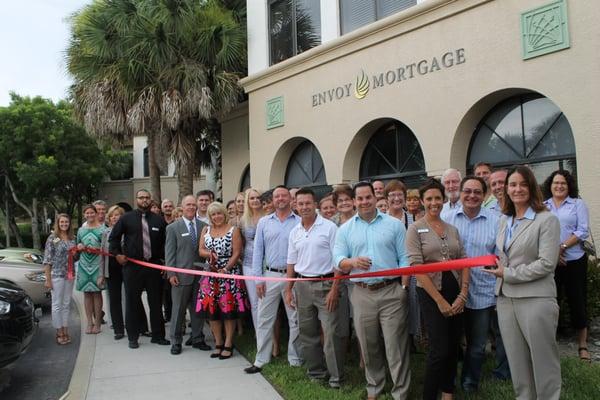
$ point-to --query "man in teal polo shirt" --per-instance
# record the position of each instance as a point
(372, 241)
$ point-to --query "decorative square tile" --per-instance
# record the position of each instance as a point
(275, 112)
(545, 29)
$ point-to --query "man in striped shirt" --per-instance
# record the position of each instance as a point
(478, 227)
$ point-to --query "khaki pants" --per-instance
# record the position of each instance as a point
(383, 313)
(312, 315)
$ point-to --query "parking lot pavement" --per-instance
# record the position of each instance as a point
(44, 371)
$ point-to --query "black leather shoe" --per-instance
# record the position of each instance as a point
(253, 369)
(189, 341)
(227, 349)
(162, 342)
(176, 349)
(133, 344)
(119, 336)
(202, 346)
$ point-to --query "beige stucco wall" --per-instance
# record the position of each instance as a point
(124, 190)
(442, 108)
(235, 150)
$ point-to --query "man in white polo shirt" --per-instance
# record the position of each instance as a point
(310, 255)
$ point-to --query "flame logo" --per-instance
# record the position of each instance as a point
(362, 86)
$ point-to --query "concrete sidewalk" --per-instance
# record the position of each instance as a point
(108, 369)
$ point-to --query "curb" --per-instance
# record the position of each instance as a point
(82, 370)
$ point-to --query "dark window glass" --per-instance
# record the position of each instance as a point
(305, 167)
(146, 165)
(528, 129)
(357, 13)
(245, 181)
(294, 26)
(393, 152)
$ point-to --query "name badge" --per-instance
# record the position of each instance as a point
(423, 230)
(185, 234)
(155, 229)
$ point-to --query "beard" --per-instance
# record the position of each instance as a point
(453, 196)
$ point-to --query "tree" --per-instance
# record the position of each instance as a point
(47, 158)
(167, 67)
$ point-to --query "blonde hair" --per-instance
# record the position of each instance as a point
(113, 210)
(413, 193)
(249, 213)
(56, 227)
(216, 207)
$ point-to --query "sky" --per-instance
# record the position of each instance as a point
(34, 36)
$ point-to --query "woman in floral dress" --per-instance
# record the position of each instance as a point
(89, 280)
(221, 300)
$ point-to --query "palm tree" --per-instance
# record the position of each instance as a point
(157, 67)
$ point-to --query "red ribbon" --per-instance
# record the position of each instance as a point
(413, 270)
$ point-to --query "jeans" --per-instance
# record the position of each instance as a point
(477, 326)
(62, 289)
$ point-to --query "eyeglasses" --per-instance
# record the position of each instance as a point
(476, 192)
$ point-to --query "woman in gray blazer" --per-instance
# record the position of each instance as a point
(528, 242)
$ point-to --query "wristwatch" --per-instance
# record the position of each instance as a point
(563, 246)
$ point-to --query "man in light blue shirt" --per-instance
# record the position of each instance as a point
(451, 181)
(271, 250)
(371, 241)
(478, 227)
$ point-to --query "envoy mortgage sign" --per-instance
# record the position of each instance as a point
(366, 82)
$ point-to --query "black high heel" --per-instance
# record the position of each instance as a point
(217, 355)
(230, 350)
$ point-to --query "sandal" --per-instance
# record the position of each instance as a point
(67, 338)
(90, 329)
(60, 339)
(218, 354)
(96, 330)
(230, 350)
(585, 358)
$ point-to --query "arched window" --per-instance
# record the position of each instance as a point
(245, 181)
(306, 169)
(393, 152)
(527, 129)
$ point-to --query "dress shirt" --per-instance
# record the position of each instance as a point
(489, 201)
(574, 219)
(495, 207)
(448, 209)
(203, 219)
(382, 240)
(511, 227)
(311, 251)
(129, 228)
(478, 236)
(271, 242)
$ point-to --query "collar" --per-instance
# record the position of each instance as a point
(529, 214)
(482, 213)
(273, 215)
(187, 221)
(357, 217)
(567, 199)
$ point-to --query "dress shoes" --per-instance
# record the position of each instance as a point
(119, 336)
(176, 349)
(162, 342)
(189, 341)
(202, 346)
(253, 369)
(133, 344)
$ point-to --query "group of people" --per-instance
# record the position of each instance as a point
(370, 227)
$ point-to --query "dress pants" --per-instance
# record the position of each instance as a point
(62, 290)
(166, 299)
(184, 298)
(477, 326)
(267, 315)
(378, 314)
(444, 335)
(252, 297)
(528, 327)
(312, 315)
(137, 279)
(115, 283)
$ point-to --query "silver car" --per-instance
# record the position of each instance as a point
(24, 267)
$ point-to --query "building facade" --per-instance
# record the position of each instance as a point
(408, 91)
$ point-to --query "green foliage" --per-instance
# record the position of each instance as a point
(47, 155)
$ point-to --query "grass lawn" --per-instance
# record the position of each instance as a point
(580, 381)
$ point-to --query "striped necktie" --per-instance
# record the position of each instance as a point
(147, 247)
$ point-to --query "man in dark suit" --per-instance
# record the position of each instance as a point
(181, 251)
(143, 236)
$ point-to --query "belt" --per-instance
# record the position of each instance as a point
(330, 275)
(377, 286)
(281, 271)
